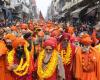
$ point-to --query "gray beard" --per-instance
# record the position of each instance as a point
(64, 45)
(47, 58)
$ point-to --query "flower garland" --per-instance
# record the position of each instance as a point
(50, 67)
(66, 55)
(88, 62)
(22, 68)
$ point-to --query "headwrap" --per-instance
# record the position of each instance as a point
(86, 39)
(70, 30)
(49, 24)
(18, 41)
(3, 48)
(14, 28)
(74, 39)
(50, 42)
(24, 26)
(46, 29)
(55, 33)
(10, 36)
(41, 34)
(53, 39)
(65, 36)
(31, 27)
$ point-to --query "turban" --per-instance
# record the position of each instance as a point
(74, 39)
(18, 41)
(86, 39)
(50, 42)
(10, 36)
(70, 29)
(49, 24)
(3, 48)
(65, 36)
(55, 33)
(14, 28)
(46, 29)
(24, 26)
(31, 27)
(41, 34)
(53, 39)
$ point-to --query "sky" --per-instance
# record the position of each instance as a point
(43, 6)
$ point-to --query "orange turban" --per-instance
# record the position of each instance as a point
(3, 48)
(86, 39)
(14, 28)
(41, 34)
(24, 26)
(18, 41)
(71, 30)
(50, 42)
(55, 33)
(31, 27)
(10, 36)
(49, 24)
(46, 29)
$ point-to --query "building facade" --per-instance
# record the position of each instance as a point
(76, 10)
(12, 11)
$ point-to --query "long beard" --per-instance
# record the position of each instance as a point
(64, 45)
(85, 50)
(20, 54)
(9, 47)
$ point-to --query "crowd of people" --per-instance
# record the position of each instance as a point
(43, 50)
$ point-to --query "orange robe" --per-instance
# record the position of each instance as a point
(98, 47)
(28, 76)
(3, 51)
(87, 65)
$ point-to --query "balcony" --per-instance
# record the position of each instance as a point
(69, 4)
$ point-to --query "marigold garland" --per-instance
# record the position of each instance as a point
(50, 67)
(22, 68)
(66, 55)
(10, 57)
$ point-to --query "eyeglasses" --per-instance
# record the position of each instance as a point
(82, 45)
(48, 49)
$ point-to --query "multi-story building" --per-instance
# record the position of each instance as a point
(34, 9)
(55, 9)
(51, 11)
(66, 10)
(17, 10)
